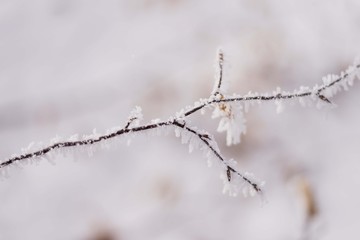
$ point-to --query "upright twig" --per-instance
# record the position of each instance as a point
(220, 69)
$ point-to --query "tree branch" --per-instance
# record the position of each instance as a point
(330, 87)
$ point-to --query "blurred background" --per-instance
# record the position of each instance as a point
(69, 66)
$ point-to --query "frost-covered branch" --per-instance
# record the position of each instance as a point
(331, 85)
(229, 108)
(210, 144)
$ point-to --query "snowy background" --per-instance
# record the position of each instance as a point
(69, 66)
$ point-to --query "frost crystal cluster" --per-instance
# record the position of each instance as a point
(229, 109)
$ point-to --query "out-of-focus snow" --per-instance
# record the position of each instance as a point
(67, 67)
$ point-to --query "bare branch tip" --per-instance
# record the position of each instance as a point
(220, 54)
(219, 70)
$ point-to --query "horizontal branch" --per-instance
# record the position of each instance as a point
(67, 144)
(317, 91)
(203, 137)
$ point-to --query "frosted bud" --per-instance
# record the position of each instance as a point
(232, 122)
(180, 114)
(135, 116)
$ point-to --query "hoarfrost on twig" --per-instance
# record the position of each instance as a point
(229, 108)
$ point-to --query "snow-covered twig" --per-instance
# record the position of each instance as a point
(229, 108)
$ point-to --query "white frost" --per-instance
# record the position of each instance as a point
(232, 122)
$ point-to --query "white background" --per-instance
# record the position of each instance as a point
(68, 66)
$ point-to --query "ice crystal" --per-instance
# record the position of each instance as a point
(232, 121)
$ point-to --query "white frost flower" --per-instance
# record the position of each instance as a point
(233, 122)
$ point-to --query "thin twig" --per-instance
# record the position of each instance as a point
(220, 61)
(219, 156)
(67, 144)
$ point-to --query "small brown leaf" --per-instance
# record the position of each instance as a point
(322, 97)
(228, 173)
